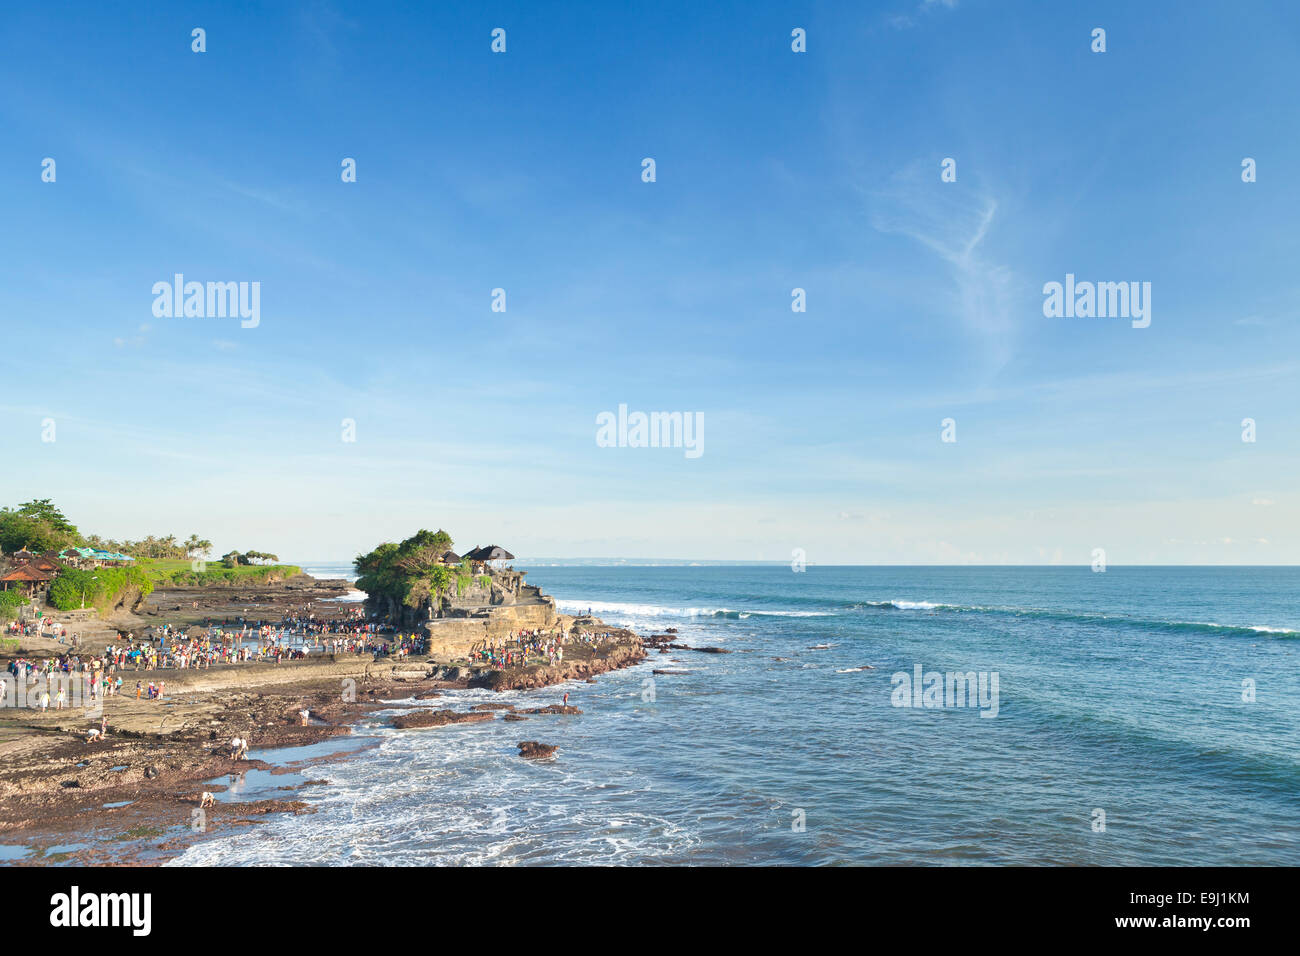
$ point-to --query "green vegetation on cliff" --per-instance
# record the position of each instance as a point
(39, 526)
(101, 588)
(411, 570)
(10, 602)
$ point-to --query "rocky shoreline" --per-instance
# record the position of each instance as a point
(135, 797)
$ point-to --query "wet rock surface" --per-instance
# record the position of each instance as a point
(581, 662)
(554, 709)
(533, 750)
(439, 718)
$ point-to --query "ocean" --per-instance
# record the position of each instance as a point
(1141, 716)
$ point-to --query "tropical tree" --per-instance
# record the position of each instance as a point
(409, 571)
(36, 525)
(43, 509)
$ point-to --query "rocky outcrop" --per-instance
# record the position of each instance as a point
(505, 603)
(438, 718)
(611, 657)
(411, 671)
(532, 750)
(455, 637)
(554, 709)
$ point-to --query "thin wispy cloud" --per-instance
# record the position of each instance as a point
(955, 224)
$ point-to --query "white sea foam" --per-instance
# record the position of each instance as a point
(570, 606)
(463, 798)
(329, 571)
(1257, 628)
(901, 605)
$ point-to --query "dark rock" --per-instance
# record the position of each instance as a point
(554, 709)
(437, 718)
(533, 750)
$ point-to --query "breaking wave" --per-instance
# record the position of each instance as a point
(1083, 618)
(657, 610)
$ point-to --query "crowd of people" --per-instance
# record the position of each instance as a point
(535, 645)
(40, 626)
(214, 642)
(227, 641)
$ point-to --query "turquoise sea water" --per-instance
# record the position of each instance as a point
(1118, 692)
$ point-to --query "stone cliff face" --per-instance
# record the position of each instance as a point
(461, 618)
(476, 601)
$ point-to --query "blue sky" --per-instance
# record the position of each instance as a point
(775, 170)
